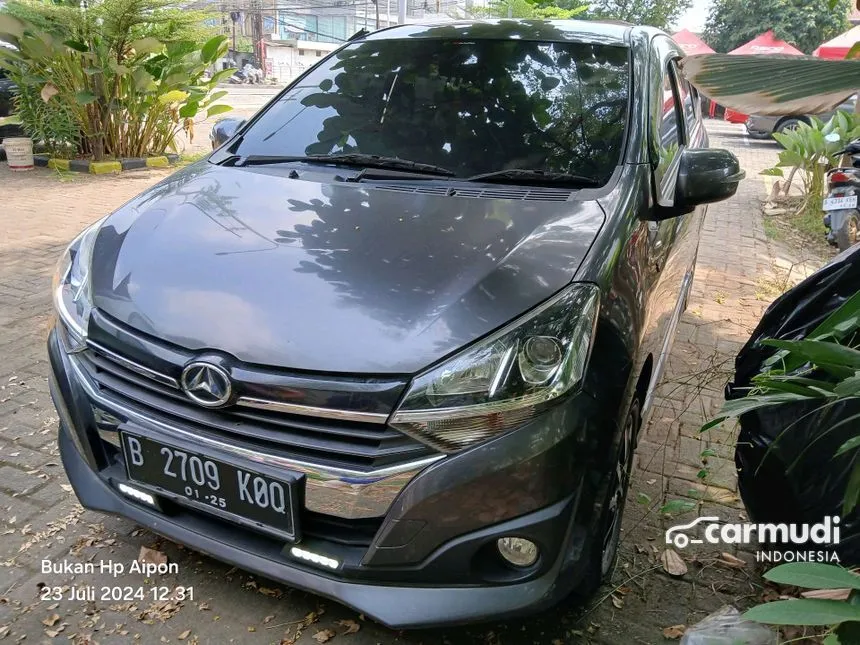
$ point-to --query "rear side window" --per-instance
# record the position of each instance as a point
(470, 106)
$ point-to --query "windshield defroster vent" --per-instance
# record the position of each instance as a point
(525, 193)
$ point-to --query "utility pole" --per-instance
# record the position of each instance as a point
(257, 30)
(401, 11)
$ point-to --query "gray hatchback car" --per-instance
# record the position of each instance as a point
(394, 340)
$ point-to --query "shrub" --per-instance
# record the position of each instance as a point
(105, 93)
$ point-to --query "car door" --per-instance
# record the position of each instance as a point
(675, 124)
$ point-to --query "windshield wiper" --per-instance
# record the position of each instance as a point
(349, 159)
(521, 175)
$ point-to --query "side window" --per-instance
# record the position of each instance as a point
(688, 100)
(671, 126)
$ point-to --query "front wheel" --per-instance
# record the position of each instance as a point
(846, 232)
(602, 549)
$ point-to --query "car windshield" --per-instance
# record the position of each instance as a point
(471, 107)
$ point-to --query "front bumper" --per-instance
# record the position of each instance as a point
(432, 559)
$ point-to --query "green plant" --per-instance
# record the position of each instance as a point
(843, 616)
(773, 85)
(809, 149)
(49, 122)
(126, 97)
(824, 368)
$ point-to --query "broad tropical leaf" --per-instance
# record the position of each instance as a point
(813, 575)
(803, 611)
(848, 446)
(217, 109)
(147, 45)
(819, 352)
(773, 85)
(212, 49)
(10, 26)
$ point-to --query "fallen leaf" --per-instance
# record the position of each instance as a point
(672, 563)
(674, 632)
(732, 561)
(51, 620)
(827, 594)
(184, 635)
(66, 487)
(151, 556)
(4, 631)
(268, 619)
(202, 606)
(351, 626)
(618, 602)
(252, 629)
(268, 591)
(324, 636)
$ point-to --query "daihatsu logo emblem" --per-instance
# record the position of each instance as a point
(206, 384)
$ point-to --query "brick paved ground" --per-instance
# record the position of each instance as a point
(739, 272)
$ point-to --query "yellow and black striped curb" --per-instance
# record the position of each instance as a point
(105, 167)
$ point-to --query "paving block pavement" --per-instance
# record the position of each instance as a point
(41, 521)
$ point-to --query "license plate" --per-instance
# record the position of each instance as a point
(840, 203)
(238, 493)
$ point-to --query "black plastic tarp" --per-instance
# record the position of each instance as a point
(787, 471)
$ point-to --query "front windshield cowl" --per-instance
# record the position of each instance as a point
(470, 107)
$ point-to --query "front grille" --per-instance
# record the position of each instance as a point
(346, 444)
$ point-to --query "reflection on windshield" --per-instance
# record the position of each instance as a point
(470, 106)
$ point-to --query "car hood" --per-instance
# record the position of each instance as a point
(330, 276)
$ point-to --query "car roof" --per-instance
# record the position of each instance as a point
(584, 31)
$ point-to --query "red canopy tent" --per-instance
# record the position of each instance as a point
(767, 43)
(839, 46)
(691, 43)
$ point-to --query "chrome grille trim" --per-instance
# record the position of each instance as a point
(311, 411)
(332, 490)
(164, 379)
(246, 401)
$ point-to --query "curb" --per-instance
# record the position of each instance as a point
(104, 167)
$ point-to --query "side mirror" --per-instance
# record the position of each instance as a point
(223, 131)
(705, 176)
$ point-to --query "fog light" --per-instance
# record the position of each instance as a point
(134, 493)
(316, 558)
(518, 551)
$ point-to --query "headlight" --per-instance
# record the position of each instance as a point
(72, 288)
(506, 379)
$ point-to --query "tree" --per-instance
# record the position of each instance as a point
(657, 13)
(562, 10)
(802, 23)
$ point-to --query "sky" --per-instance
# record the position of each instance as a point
(694, 19)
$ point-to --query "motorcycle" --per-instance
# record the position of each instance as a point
(841, 214)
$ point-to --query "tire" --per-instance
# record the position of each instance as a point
(601, 551)
(788, 125)
(848, 233)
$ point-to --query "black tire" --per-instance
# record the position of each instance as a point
(787, 125)
(848, 233)
(601, 551)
